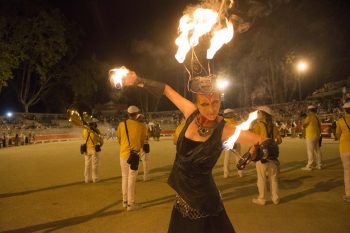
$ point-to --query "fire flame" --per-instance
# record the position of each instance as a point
(228, 145)
(182, 41)
(203, 21)
(116, 76)
(220, 38)
(193, 26)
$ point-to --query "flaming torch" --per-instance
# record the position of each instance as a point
(220, 38)
(116, 76)
(201, 22)
(228, 145)
(266, 150)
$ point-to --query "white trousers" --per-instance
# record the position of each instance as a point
(345, 158)
(128, 182)
(230, 160)
(271, 170)
(313, 152)
(145, 164)
(91, 166)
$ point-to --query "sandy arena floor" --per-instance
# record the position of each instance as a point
(42, 190)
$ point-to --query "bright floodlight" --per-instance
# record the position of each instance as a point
(222, 84)
(302, 66)
(9, 114)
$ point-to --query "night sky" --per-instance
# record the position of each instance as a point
(140, 34)
(111, 26)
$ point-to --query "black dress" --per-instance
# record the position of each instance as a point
(198, 206)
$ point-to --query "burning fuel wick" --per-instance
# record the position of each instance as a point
(116, 76)
(228, 145)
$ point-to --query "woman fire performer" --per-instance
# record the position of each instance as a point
(198, 206)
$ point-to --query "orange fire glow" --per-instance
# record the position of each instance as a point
(228, 145)
(220, 38)
(116, 76)
(201, 22)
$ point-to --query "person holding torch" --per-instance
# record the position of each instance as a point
(93, 142)
(266, 128)
(198, 206)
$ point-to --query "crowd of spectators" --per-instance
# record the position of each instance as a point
(10, 139)
(288, 116)
(20, 129)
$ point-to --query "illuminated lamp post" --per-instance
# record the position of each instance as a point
(9, 114)
(222, 84)
(301, 68)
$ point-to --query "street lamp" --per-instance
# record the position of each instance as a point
(301, 68)
(9, 114)
(222, 84)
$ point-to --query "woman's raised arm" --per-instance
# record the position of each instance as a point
(183, 104)
(157, 89)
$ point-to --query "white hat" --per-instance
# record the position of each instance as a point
(346, 105)
(266, 109)
(311, 107)
(133, 109)
(228, 110)
(140, 116)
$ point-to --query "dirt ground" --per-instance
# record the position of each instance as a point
(42, 190)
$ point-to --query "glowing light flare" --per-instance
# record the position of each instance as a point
(191, 28)
(221, 84)
(9, 114)
(116, 76)
(220, 38)
(228, 145)
(302, 66)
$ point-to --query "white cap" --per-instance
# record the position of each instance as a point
(140, 116)
(228, 110)
(266, 109)
(133, 109)
(346, 105)
(311, 107)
